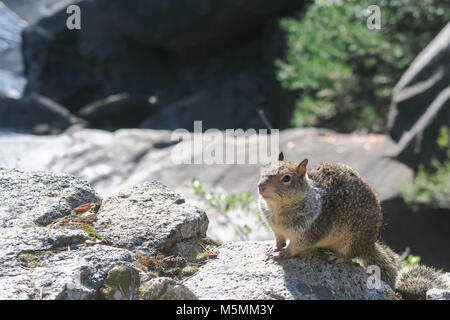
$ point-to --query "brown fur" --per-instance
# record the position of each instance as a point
(334, 208)
(414, 281)
(330, 207)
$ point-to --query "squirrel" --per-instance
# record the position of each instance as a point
(332, 208)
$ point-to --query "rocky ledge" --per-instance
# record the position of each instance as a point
(242, 270)
(51, 239)
(59, 240)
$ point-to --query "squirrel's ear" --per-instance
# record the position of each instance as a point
(301, 168)
(281, 156)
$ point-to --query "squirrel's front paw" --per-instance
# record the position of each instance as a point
(272, 250)
(274, 253)
(280, 254)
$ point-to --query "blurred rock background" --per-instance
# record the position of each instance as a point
(101, 102)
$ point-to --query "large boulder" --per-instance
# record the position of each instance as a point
(421, 104)
(239, 94)
(37, 198)
(117, 111)
(35, 114)
(38, 262)
(49, 250)
(147, 217)
(242, 271)
(170, 50)
(35, 267)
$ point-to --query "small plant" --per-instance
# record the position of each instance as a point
(406, 257)
(410, 260)
(75, 220)
(89, 229)
(223, 202)
(432, 188)
(226, 202)
(179, 261)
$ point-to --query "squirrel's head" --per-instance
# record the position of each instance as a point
(282, 181)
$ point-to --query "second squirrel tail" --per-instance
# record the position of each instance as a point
(387, 260)
(414, 281)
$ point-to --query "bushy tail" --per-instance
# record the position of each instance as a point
(387, 260)
(414, 281)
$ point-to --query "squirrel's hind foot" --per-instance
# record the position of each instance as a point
(333, 257)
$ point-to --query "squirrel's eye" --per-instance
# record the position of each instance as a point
(286, 178)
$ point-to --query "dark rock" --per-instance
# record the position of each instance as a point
(424, 232)
(117, 111)
(421, 104)
(273, 47)
(231, 104)
(170, 50)
(35, 114)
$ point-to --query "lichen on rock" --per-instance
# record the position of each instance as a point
(122, 283)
